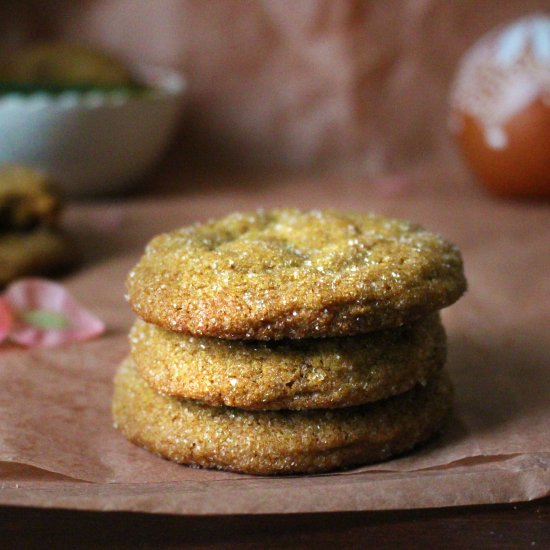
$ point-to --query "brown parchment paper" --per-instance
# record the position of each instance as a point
(58, 447)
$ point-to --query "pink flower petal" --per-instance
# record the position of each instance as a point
(6, 319)
(41, 299)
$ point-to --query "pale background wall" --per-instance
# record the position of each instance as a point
(340, 85)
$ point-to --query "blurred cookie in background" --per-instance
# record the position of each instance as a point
(65, 64)
(31, 242)
(27, 199)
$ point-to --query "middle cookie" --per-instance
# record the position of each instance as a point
(296, 374)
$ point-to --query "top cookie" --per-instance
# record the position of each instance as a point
(286, 273)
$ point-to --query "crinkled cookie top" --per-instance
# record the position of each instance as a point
(286, 273)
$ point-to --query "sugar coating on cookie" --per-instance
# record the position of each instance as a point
(289, 374)
(277, 442)
(287, 273)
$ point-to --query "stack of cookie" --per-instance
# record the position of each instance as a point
(285, 341)
(30, 240)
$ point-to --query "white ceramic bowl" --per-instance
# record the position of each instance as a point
(92, 143)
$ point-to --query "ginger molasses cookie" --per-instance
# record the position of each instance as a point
(289, 374)
(30, 243)
(286, 273)
(40, 252)
(64, 64)
(27, 199)
(277, 442)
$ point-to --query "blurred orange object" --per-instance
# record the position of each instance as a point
(523, 167)
(500, 109)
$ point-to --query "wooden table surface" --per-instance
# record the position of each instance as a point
(511, 526)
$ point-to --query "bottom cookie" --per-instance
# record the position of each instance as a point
(277, 442)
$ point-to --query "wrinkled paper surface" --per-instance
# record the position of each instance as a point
(58, 447)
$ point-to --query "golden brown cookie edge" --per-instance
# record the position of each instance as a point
(430, 420)
(423, 353)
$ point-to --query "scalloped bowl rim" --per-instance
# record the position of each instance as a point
(162, 82)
